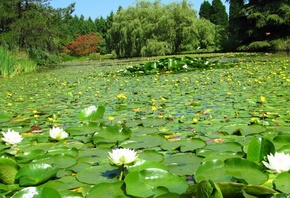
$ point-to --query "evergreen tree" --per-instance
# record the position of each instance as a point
(205, 10)
(219, 15)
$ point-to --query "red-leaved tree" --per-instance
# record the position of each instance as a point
(84, 44)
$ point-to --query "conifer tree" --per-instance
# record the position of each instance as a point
(219, 15)
(205, 10)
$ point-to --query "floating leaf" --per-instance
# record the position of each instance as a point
(212, 170)
(142, 183)
(63, 160)
(37, 192)
(114, 133)
(245, 170)
(184, 145)
(36, 173)
(282, 182)
(108, 189)
(183, 163)
(143, 142)
(151, 155)
(98, 174)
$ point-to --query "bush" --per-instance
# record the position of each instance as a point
(84, 44)
(278, 45)
(257, 46)
(42, 57)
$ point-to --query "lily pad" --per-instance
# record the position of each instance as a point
(282, 182)
(142, 183)
(37, 192)
(35, 173)
(212, 170)
(245, 170)
(108, 189)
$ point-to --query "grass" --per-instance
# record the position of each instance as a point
(12, 64)
(189, 124)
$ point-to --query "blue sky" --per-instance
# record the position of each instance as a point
(97, 8)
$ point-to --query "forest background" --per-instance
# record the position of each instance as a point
(48, 35)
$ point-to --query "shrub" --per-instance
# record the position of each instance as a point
(84, 44)
(257, 46)
(278, 44)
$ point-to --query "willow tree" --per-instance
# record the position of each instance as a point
(135, 29)
(148, 28)
(183, 16)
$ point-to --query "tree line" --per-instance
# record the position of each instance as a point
(145, 29)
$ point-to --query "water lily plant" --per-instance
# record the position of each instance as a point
(121, 157)
(279, 162)
(11, 137)
(58, 133)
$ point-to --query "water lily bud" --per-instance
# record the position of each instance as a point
(58, 133)
(279, 162)
(12, 137)
(122, 156)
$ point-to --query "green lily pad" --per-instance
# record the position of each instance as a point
(98, 174)
(151, 155)
(37, 192)
(243, 129)
(142, 183)
(234, 147)
(184, 145)
(4, 118)
(143, 142)
(36, 173)
(29, 156)
(153, 122)
(212, 170)
(108, 189)
(114, 133)
(183, 163)
(63, 160)
(141, 164)
(282, 182)
(245, 170)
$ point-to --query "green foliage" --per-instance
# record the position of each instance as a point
(155, 29)
(11, 64)
(31, 26)
(259, 24)
(219, 15)
(205, 10)
(155, 48)
(256, 46)
(172, 65)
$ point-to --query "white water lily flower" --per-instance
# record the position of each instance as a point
(12, 137)
(90, 110)
(279, 162)
(58, 133)
(122, 156)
